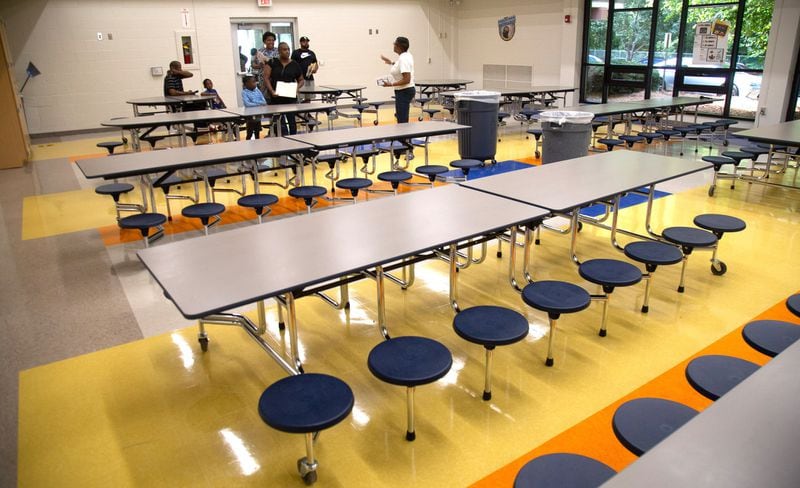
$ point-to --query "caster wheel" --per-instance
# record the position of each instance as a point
(711, 191)
(548, 362)
(645, 309)
(374, 122)
(725, 143)
(347, 306)
(580, 226)
(420, 118)
(538, 155)
(487, 395)
(203, 343)
(537, 242)
(719, 269)
(681, 289)
(499, 254)
(602, 333)
(281, 326)
(310, 478)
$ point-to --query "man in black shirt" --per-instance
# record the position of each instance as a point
(282, 69)
(306, 58)
(173, 82)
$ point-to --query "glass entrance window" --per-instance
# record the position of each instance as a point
(630, 39)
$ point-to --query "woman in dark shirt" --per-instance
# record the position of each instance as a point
(283, 69)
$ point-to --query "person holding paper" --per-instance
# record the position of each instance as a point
(401, 78)
(308, 63)
(283, 77)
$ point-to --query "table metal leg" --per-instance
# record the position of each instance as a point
(454, 278)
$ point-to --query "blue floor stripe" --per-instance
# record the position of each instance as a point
(628, 200)
(489, 170)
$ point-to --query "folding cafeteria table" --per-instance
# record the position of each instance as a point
(328, 248)
(276, 111)
(784, 134)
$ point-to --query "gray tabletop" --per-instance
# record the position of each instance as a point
(749, 437)
(345, 88)
(288, 108)
(667, 102)
(153, 101)
(133, 164)
(231, 268)
(331, 139)
(442, 82)
(568, 184)
(787, 133)
(193, 98)
(534, 90)
(171, 118)
(616, 108)
(600, 109)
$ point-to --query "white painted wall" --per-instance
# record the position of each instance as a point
(85, 81)
(541, 40)
(784, 42)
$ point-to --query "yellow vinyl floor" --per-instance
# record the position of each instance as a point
(159, 412)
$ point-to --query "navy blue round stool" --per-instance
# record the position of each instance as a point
(258, 202)
(793, 304)
(431, 112)
(610, 143)
(609, 274)
(109, 146)
(718, 162)
(395, 178)
(115, 190)
(630, 140)
(144, 222)
(409, 361)
(490, 327)
(719, 224)
(537, 134)
(208, 213)
(563, 470)
(354, 185)
(737, 156)
(432, 171)
(715, 375)
(642, 423)
(755, 150)
(308, 193)
(652, 254)
(649, 137)
(555, 298)
(770, 337)
(305, 404)
(465, 165)
(689, 238)
(669, 133)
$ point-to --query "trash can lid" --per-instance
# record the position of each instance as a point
(561, 117)
(477, 95)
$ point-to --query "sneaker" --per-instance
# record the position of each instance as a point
(409, 156)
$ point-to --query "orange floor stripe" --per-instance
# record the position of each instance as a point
(74, 159)
(594, 437)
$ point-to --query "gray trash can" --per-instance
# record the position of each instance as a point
(478, 109)
(565, 135)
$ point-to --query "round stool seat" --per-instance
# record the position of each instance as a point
(431, 170)
(395, 176)
(360, 107)
(431, 111)
(610, 273)
(793, 304)
(653, 253)
(258, 201)
(776, 147)
(754, 150)
(466, 163)
(718, 161)
(770, 337)
(142, 221)
(563, 470)
(687, 130)
(114, 189)
(490, 326)
(530, 113)
(537, 133)
(668, 133)
(305, 403)
(203, 210)
(503, 115)
(556, 297)
(409, 361)
(631, 140)
(309, 191)
(611, 142)
(329, 158)
(353, 183)
(737, 156)
(715, 375)
(109, 145)
(719, 223)
(642, 423)
(727, 122)
(650, 136)
(376, 104)
(689, 236)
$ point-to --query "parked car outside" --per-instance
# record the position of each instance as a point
(744, 84)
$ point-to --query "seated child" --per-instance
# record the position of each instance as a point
(252, 97)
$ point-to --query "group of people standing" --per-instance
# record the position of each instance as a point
(272, 65)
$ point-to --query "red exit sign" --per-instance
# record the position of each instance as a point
(264, 3)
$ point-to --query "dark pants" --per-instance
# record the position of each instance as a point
(402, 103)
(292, 126)
(253, 128)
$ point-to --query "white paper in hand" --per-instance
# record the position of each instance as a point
(287, 90)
